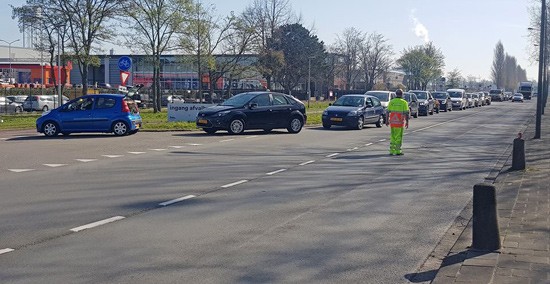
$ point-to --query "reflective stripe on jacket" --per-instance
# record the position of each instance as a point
(398, 110)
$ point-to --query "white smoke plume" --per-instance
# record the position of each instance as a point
(419, 29)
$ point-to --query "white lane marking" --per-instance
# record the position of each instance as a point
(4, 138)
(176, 200)
(307, 163)
(368, 144)
(54, 165)
(158, 150)
(332, 155)
(20, 170)
(6, 250)
(253, 136)
(176, 147)
(193, 144)
(112, 156)
(226, 140)
(86, 160)
(235, 183)
(275, 172)
(98, 223)
(137, 153)
(381, 140)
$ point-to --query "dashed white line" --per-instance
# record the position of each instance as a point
(333, 155)
(20, 170)
(112, 156)
(86, 160)
(54, 165)
(137, 153)
(6, 250)
(253, 136)
(275, 172)
(176, 200)
(368, 144)
(98, 223)
(158, 150)
(193, 144)
(234, 183)
(226, 140)
(176, 147)
(307, 163)
(4, 138)
(381, 140)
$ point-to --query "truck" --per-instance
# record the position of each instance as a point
(526, 89)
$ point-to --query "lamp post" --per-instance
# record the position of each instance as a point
(60, 97)
(309, 79)
(542, 64)
(9, 54)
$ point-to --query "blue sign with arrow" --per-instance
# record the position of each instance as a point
(124, 63)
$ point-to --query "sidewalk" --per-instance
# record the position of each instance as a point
(523, 203)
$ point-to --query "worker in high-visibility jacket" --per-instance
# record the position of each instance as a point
(397, 117)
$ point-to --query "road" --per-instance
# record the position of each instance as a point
(321, 206)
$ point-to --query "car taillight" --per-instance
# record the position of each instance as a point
(125, 107)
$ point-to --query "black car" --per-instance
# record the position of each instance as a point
(413, 103)
(254, 110)
(445, 103)
(354, 110)
(426, 104)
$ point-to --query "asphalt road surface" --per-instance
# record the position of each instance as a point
(320, 206)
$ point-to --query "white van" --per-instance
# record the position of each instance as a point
(384, 96)
(458, 98)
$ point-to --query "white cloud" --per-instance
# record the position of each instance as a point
(419, 29)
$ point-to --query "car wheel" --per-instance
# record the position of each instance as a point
(210, 130)
(120, 128)
(50, 129)
(45, 108)
(360, 123)
(379, 122)
(295, 125)
(236, 126)
(326, 126)
(18, 110)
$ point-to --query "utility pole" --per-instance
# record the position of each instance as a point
(542, 66)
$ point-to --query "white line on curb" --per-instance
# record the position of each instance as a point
(307, 163)
(275, 172)
(20, 170)
(333, 155)
(176, 200)
(235, 183)
(6, 250)
(98, 223)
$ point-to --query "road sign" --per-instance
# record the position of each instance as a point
(124, 77)
(124, 63)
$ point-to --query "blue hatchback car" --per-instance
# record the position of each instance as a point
(354, 110)
(106, 113)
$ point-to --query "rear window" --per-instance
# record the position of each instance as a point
(132, 105)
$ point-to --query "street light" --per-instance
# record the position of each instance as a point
(542, 66)
(60, 97)
(309, 79)
(9, 55)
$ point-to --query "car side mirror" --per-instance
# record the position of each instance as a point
(253, 105)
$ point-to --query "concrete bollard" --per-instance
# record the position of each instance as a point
(486, 235)
(518, 154)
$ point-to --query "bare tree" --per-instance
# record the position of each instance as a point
(454, 79)
(375, 57)
(87, 24)
(349, 45)
(497, 69)
(154, 25)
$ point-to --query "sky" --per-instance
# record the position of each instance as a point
(466, 31)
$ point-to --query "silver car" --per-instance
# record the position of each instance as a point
(8, 106)
(42, 102)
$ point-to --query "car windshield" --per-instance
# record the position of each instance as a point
(407, 97)
(495, 92)
(352, 101)
(440, 95)
(383, 97)
(455, 94)
(422, 95)
(239, 100)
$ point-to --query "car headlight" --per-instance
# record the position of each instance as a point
(325, 113)
(352, 113)
(421, 103)
(222, 113)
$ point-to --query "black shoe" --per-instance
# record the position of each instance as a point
(400, 154)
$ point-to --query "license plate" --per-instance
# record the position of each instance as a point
(138, 125)
(336, 119)
(203, 121)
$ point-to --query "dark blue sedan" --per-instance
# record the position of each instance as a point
(354, 111)
(106, 113)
